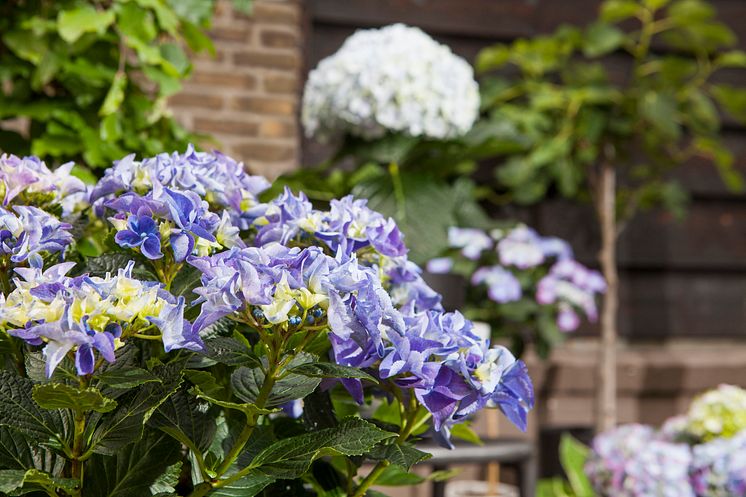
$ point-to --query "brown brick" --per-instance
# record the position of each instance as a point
(273, 13)
(229, 34)
(268, 60)
(224, 79)
(208, 57)
(280, 83)
(266, 105)
(200, 100)
(273, 38)
(225, 126)
(277, 129)
(265, 152)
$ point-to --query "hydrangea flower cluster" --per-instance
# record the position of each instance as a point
(631, 461)
(719, 467)
(409, 340)
(179, 220)
(394, 79)
(514, 263)
(28, 181)
(216, 178)
(90, 316)
(720, 412)
(27, 233)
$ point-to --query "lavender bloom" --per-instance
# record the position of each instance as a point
(28, 180)
(141, 232)
(573, 287)
(439, 265)
(215, 177)
(719, 467)
(31, 232)
(472, 242)
(502, 286)
(629, 461)
(521, 247)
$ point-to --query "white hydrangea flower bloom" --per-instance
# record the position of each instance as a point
(393, 79)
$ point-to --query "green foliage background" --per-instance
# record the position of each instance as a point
(92, 76)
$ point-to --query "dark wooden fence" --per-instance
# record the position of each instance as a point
(683, 279)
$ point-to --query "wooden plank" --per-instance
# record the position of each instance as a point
(491, 19)
(712, 236)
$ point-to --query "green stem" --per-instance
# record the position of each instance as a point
(204, 488)
(369, 480)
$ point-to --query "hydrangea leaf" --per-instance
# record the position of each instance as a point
(291, 457)
(62, 396)
(134, 468)
(125, 424)
(403, 455)
(573, 455)
(248, 486)
(12, 480)
(248, 381)
(229, 351)
(249, 409)
(187, 419)
(19, 412)
(331, 370)
(125, 378)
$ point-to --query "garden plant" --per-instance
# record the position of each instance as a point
(607, 114)
(166, 332)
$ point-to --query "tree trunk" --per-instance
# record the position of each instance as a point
(606, 409)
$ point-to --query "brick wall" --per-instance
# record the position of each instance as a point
(247, 95)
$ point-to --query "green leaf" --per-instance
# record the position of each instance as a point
(602, 38)
(688, 12)
(11, 480)
(331, 370)
(167, 482)
(732, 58)
(62, 396)
(396, 476)
(492, 57)
(248, 486)
(230, 351)
(655, 4)
(20, 413)
(464, 432)
(291, 457)
(126, 378)
(136, 22)
(115, 96)
(125, 424)
(732, 99)
(404, 455)
(243, 6)
(247, 383)
(72, 24)
(573, 456)
(26, 45)
(134, 469)
(197, 40)
(661, 111)
(618, 10)
(186, 419)
(704, 115)
(186, 280)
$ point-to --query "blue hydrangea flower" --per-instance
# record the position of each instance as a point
(471, 241)
(142, 233)
(573, 287)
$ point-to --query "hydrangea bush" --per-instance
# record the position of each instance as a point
(394, 79)
(165, 332)
(521, 283)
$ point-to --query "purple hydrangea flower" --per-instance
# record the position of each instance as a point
(471, 241)
(521, 247)
(30, 232)
(502, 285)
(215, 177)
(630, 461)
(28, 180)
(719, 467)
(573, 287)
(87, 316)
